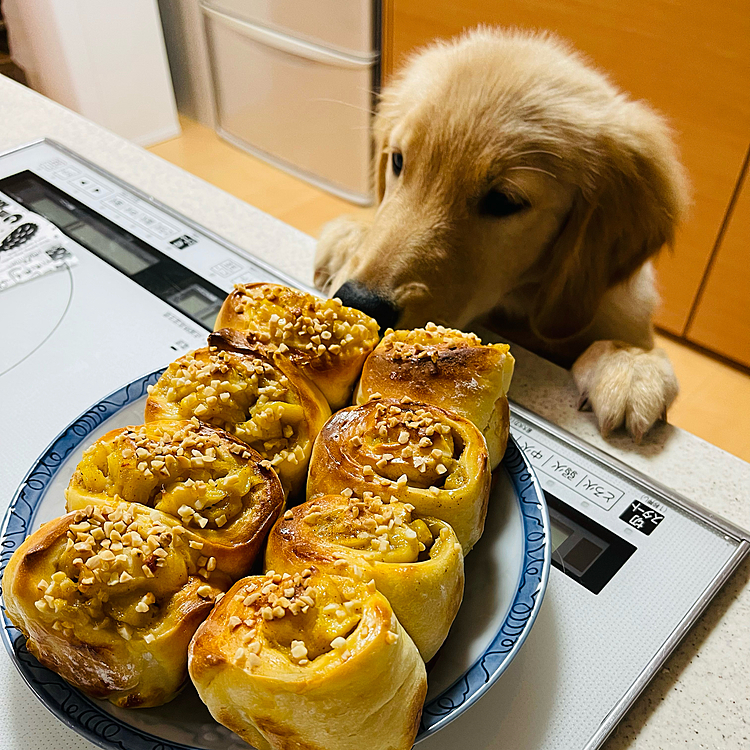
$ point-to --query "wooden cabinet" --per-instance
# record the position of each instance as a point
(691, 64)
(721, 319)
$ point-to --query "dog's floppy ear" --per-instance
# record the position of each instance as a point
(389, 112)
(624, 212)
(381, 131)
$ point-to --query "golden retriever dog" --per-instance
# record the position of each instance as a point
(517, 186)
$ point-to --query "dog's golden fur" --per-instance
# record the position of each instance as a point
(602, 190)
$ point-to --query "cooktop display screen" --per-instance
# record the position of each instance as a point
(583, 549)
(147, 266)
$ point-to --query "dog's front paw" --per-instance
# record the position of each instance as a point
(625, 384)
(338, 241)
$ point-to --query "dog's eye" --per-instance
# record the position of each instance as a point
(498, 204)
(397, 162)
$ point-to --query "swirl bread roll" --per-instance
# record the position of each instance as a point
(253, 393)
(419, 454)
(205, 479)
(415, 562)
(327, 341)
(108, 597)
(450, 368)
(306, 660)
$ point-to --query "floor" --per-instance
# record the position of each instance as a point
(714, 400)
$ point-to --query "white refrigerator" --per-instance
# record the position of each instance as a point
(103, 59)
(294, 82)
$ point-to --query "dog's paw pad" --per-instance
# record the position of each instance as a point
(338, 242)
(626, 386)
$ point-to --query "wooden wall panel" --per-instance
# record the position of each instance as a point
(722, 317)
(690, 61)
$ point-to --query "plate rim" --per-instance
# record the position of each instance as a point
(77, 711)
(531, 586)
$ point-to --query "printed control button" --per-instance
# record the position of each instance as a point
(83, 183)
(641, 517)
(98, 191)
(146, 220)
(52, 164)
(90, 186)
(67, 173)
(186, 240)
(162, 230)
(140, 217)
(117, 203)
(226, 268)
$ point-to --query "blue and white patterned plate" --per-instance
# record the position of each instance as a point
(506, 576)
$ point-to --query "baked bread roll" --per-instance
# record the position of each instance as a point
(327, 341)
(206, 480)
(309, 661)
(415, 562)
(109, 597)
(429, 457)
(450, 368)
(253, 393)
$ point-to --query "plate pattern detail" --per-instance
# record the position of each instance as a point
(532, 583)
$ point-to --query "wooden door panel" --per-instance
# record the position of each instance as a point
(722, 318)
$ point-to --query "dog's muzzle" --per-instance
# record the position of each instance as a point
(354, 294)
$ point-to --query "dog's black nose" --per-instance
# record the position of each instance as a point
(354, 294)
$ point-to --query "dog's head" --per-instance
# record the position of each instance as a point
(508, 174)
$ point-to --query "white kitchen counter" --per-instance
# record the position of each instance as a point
(700, 699)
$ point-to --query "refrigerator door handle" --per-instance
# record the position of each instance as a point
(289, 44)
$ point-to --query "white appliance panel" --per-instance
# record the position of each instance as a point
(345, 26)
(304, 108)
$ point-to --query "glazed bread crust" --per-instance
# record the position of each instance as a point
(415, 562)
(327, 668)
(449, 368)
(114, 621)
(205, 479)
(433, 459)
(327, 341)
(252, 392)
